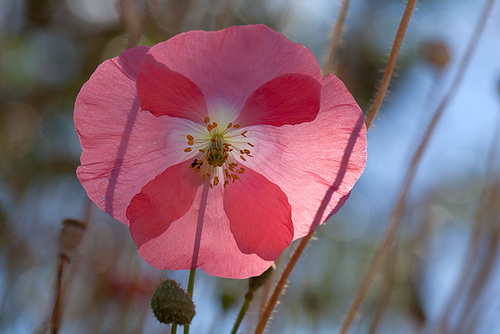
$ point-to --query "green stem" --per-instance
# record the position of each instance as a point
(191, 282)
(243, 311)
(173, 329)
(190, 292)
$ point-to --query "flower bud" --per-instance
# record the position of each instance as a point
(437, 53)
(256, 282)
(71, 236)
(171, 304)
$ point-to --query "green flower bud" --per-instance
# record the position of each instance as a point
(257, 281)
(172, 304)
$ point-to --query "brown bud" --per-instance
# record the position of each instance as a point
(437, 53)
(71, 236)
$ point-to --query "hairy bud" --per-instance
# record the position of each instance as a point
(171, 304)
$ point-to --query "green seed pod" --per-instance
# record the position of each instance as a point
(171, 304)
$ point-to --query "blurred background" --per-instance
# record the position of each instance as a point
(442, 273)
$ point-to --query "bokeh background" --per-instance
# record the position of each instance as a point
(450, 232)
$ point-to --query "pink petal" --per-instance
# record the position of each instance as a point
(164, 92)
(123, 148)
(260, 215)
(162, 201)
(316, 163)
(230, 64)
(167, 244)
(288, 99)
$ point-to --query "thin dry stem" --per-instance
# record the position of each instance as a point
(479, 225)
(70, 240)
(55, 322)
(287, 10)
(385, 293)
(400, 206)
(266, 313)
(467, 319)
(337, 33)
(391, 63)
(261, 325)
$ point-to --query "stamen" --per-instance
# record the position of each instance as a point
(212, 126)
(214, 150)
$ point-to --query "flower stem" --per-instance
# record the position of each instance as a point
(173, 329)
(243, 311)
(197, 243)
(56, 313)
(261, 325)
(337, 32)
(190, 290)
(392, 61)
(381, 94)
(191, 282)
(398, 211)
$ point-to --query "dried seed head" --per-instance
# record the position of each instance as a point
(171, 304)
(71, 236)
(437, 53)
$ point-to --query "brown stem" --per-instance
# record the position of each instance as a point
(266, 313)
(384, 297)
(337, 33)
(392, 61)
(261, 325)
(55, 322)
(400, 206)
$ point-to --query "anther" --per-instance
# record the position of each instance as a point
(207, 120)
(187, 149)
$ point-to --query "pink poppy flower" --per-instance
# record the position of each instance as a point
(218, 148)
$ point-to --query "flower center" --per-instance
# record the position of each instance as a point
(217, 151)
